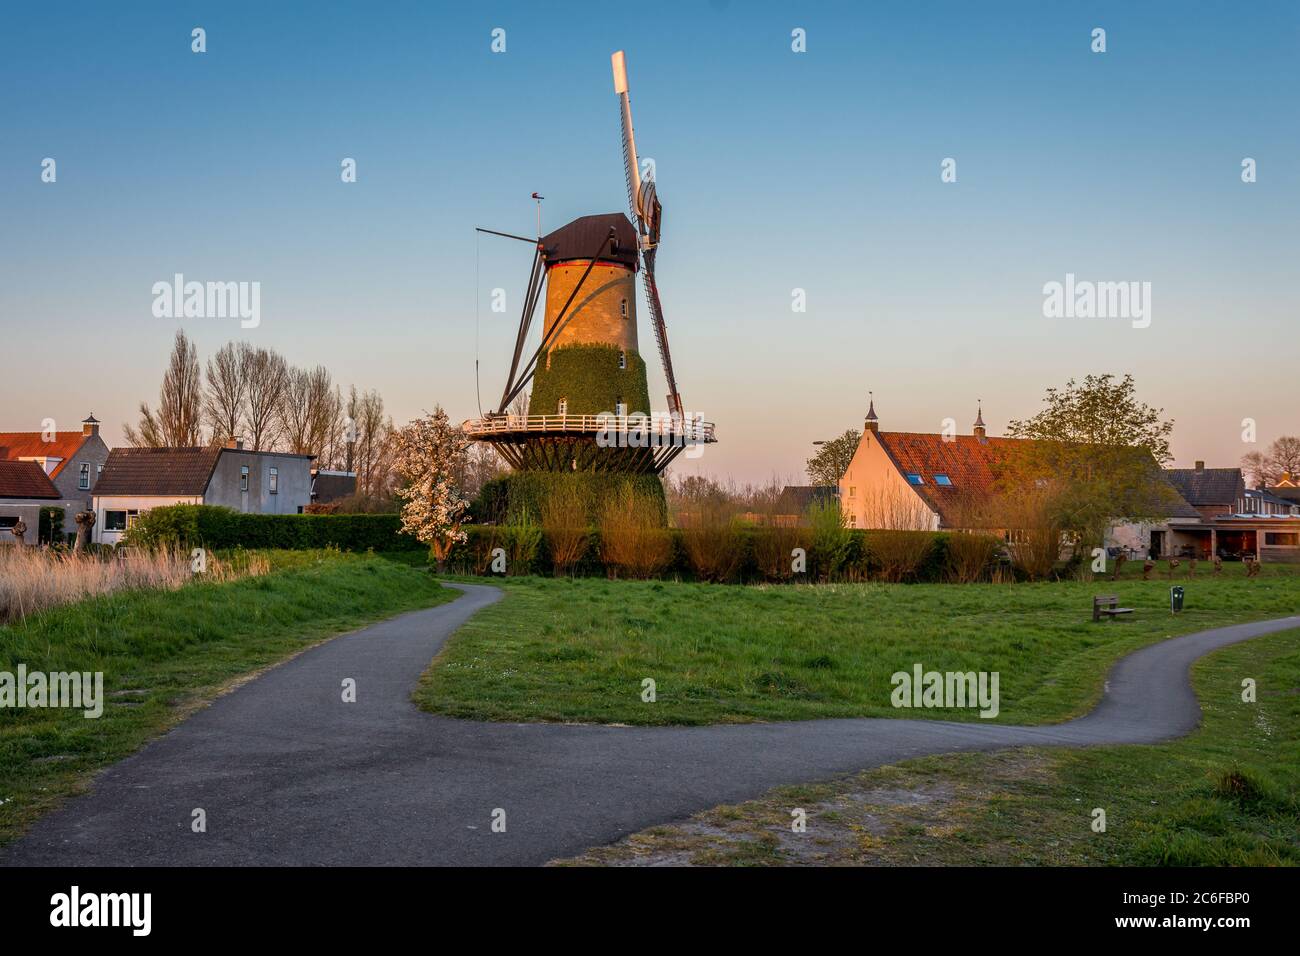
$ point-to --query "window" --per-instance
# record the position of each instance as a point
(1282, 539)
(853, 491)
(941, 479)
(914, 479)
(275, 481)
(622, 360)
(564, 407)
(620, 408)
(83, 480)
(623, 307)
(99, 469)
(853, 521)
(114, 520)
(130, 518)
(8, 521)
(243, 478)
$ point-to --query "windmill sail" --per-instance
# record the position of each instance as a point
(646, 213)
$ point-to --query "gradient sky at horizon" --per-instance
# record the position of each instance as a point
(777, 171)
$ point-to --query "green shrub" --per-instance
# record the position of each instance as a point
(49, 524)
(211, 526)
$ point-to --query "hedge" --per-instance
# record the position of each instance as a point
(855, 555)
(215, 527)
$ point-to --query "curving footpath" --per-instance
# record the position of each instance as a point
(290, 775)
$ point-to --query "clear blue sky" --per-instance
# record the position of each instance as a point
(777, 171)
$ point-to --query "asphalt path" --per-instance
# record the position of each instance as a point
(289, 774)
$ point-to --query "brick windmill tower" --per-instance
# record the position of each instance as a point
(589, 409)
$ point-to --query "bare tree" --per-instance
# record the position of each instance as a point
(370, 432)
(480, 465)
(178, 420)
(1265, 469)
(223, 402)
(267, 376)
(310, 413)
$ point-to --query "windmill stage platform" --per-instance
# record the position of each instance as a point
(606, 443)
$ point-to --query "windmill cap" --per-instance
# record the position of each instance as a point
(580, 238)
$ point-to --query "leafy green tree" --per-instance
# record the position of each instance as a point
(828, 465)
(1097, 451)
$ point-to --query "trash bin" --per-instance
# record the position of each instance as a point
(1176, 598)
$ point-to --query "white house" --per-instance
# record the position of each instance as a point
(138, 479)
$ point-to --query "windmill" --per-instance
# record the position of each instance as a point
(589, 405)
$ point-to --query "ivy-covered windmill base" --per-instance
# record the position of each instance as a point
(587, 378)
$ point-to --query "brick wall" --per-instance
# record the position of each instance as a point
(596, 315)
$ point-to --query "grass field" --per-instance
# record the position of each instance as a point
(578, 650)
(164, 653)
(1225, 795)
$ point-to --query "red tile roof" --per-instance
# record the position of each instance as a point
(968, 463)
(15, 445)
(157, 472)
(25, 479)
(971, 466)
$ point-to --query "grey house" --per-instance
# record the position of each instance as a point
(24, 490)
(257, 482)
(72, 461)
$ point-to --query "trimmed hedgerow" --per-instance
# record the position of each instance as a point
(856, 556)
(211, 526)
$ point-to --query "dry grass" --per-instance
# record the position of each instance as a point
(713, 544)
(564, 521)
(632, 538)
(970, 557)
(34, 580)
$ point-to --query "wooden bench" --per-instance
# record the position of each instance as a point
(1108, 604)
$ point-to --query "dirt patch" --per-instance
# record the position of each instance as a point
(916, 813)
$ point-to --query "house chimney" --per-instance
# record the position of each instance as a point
(235, 443)
(978, 429)
(1200, 466)
(872, 423)
(90, 425)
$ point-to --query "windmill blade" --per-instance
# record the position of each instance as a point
(631, 170)
(661, 332)
(647, 213)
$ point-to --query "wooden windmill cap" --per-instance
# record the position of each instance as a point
(580, 238)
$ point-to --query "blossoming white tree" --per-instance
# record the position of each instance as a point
(430, 452)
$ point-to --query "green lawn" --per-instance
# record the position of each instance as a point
(1226, 795)
(163, 653)
(578, 650)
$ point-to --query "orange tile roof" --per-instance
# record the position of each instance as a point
(968, 463)
(16, 445)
